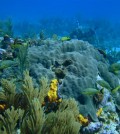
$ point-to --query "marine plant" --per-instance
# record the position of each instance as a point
(32, 117)
(64, 121)
(7, 95)
(34, 120)
(7, 63)
(30, 92)
(22, 58)
(9, 120)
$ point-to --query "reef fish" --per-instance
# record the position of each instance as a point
(65, 38)
(116, 89)
(90, 91)
(104, 84)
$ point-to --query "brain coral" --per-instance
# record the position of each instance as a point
(87, 62)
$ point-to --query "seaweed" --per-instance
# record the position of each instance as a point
(10, 120)
(34, 120)
(28, 115)
(64, 121)
(44, 87)
(22, 58)
(30, 92)
(70, 105)
(8, 92)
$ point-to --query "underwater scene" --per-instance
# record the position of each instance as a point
(60, 67)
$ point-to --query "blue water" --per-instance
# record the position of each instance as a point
(33, 10)
(61, 17)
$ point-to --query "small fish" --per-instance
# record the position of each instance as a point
(115, 68)
(102, 52)
(116, 89)
(65, 38)
(104, 84)
(90, 91)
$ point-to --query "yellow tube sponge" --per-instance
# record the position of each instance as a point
(99, 112)
(53, 91)
(84, 121)
(52, 95)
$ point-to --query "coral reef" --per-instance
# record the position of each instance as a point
(73, 69)
(92, 128)
(31, 118)
(81, 74)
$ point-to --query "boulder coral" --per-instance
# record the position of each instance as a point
(87, 63)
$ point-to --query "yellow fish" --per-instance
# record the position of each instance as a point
(65, 38)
